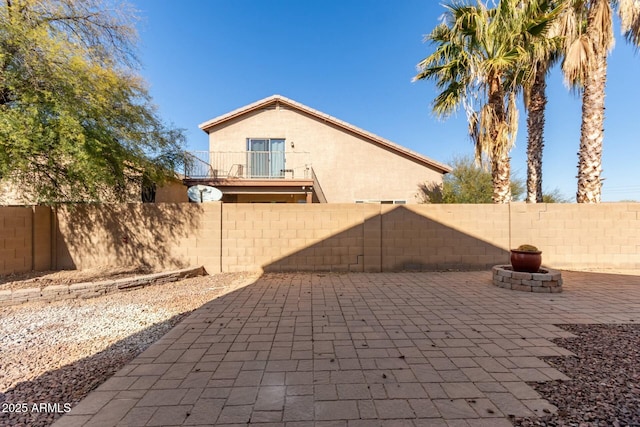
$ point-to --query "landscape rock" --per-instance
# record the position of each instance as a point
(59, 352)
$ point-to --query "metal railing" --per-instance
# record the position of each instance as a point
(247, 165)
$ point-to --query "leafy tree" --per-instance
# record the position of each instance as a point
(555, 196)
(478, 54)
(587, 28)
(76, 121)
(466, 183)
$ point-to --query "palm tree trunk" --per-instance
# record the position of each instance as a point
(501, 177)
(500, 161)
(535, 143)
(592, 133)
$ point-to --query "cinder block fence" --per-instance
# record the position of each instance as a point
(25, 239)
(327, 237)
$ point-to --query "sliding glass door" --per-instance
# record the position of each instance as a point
(265, 158)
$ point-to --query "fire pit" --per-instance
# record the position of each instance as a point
(544, 281)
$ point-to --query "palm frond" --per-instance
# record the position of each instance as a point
(449, 99)
(512, 121)
(578, 59)
(570, 24)
(629, 12)
(601, 20)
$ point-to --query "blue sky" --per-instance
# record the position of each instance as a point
(354, 59)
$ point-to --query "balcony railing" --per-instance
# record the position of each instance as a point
(247, 165)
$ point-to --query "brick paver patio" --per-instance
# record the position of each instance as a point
(316, 349)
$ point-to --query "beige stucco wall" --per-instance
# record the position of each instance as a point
(172, 192)
(10, 194)
(348, 167)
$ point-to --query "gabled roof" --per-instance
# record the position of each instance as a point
(375, 139)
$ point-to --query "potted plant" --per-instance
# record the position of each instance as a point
(527, 258)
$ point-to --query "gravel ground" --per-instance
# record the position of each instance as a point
(56, 353)
(604, 389)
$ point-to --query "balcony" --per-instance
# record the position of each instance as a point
(247, 165)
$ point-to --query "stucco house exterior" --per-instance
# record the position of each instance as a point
(279, 150)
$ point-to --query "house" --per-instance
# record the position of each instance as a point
(278, 150)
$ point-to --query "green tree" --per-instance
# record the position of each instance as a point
(76, 121)
(478, 54)
(466, 183)
(555, 196)
(587, 28)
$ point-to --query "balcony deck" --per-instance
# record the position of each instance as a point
(254, 167)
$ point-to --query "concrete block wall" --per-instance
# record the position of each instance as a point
(580, 236)
(290, 237)
(15, 239)
(163, 235)
(25, 239)
(41, 238)
(441, 237)
(317, 237)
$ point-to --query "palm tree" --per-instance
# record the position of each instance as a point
(479, 52)
(585, 66)
(544, 48)
(536, 105)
